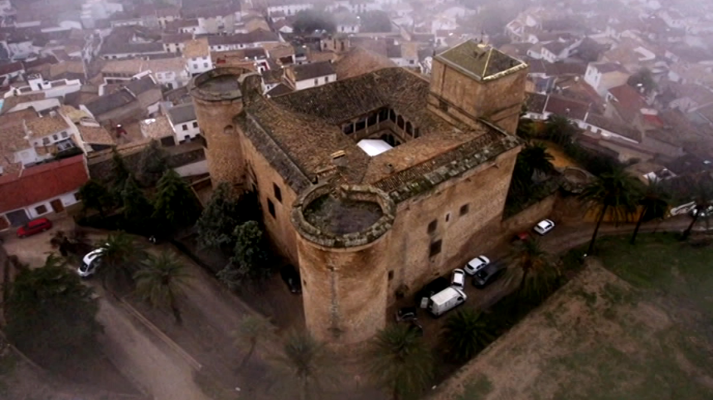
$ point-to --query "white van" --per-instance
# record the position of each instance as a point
(445, 300)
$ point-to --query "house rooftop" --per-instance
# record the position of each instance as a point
(110, 102)
(358, 61)
(46, 125)
(480, 60)
(196, 48)
(607, 67)
(182, 113)
(156, 128)
(313, 70)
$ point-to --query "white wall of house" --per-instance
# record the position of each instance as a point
(288, 9)
(37, 210)
(319, 81)
(186, 131)
(174, 47)
(197, 168)
(27, 156)
(198, 65)
(348, 28)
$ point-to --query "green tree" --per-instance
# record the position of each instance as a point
(559, 130)
(95, 196)
(309, 21)
(250, 257)
(153, 163)
(375, 21)
(398, 359)
(306, 362)
(465, 333)
(537, 273)
(252, 331)
(615, 192)
(120, 172)
(160, 280)
(525, 128)
(219, 218)
(137, 209)
(175, 206)
(120, 258)
(655, 201)
(643, 78)
(703, 199)
(533, 158)
(51, 314)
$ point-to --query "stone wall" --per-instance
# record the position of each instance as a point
(527, 218)
(100, 164)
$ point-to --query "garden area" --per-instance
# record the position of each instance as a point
(635, 324)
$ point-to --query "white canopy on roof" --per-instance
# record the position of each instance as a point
(374, 147)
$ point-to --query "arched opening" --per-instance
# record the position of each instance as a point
(400, 122)
(409, 128)
(229, 130)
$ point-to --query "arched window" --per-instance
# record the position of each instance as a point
(400, 122)
(229, 130)
(409, 128)
(392, 115)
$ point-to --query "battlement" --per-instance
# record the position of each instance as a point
(344, 216)
(218, 84)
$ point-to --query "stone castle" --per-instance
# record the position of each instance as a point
(364, 227)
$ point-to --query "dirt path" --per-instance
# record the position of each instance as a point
(144, 358)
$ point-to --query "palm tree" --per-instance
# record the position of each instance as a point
(306, 361)
(559, 130)
(615, 191)
(654, 203)
(531, 260)
(160, 280)
(398, 359)
(119, 259)
(465, 334)
(251, 331)
(703, 200)
(532, 158)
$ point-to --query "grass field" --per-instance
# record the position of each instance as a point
(637, 323)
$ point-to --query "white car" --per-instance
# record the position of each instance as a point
(476, 265)
(90, 262)
(544, 226)
(458, 279)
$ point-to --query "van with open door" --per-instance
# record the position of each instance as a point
(445, 300)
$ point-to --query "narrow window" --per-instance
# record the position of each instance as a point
(64, 134)
(464, 209)
(278, 192)
(391, 275)
(54, 137)
(361, 124)
(326, 79)
(442, 105)
(195, 124)
(435, 248)
(271, 208)
(448, 217)
(185, 127)
(432, 226)
(41, 209)
(409, 128)
(416, 133)
(348, 129)
(316, 82)
(392, 115)
(371, 120)
(400, 122)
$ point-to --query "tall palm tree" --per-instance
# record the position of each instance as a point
(398, 359)
(654, 203)
(703, 200)
(251, 331)
(532, 158)
(615, 191)
(306, 361)
(119, 259)
(559, 130)
(531, 260)
(160, 280)
(465, 334)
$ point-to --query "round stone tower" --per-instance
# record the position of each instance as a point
(217, 98)
(342, 243)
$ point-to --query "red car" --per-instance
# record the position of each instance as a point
(35, 226)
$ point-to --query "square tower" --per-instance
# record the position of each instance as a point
(474, 81)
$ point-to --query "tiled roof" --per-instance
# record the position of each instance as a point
(142, 85)
(279, 90)
(11, 67)
(358, 61)
(46, 125)
(176, 37)
(110, 102)
(196, 48)
(479, 60)
(613, 126)
(606, 67)
(182, 113)
(95, 135)
(42, 182)
(565, 107)
(156, 128)
(313, 70)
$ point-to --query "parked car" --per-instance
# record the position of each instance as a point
(33, 227)
(544, 226)
(521, 237)
(292, 279)
(430, 289)
(406, 314)
(476, 264)
(458, 278)
(90, 262)
(488, 275)
(445, 300)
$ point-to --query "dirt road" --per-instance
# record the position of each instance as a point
(145, 359)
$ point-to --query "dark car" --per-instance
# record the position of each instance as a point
(35, 226)
(432, 288)
(292, 279)
(488, 275)
(406, 314)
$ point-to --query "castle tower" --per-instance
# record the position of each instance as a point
(472, 81)
(217, 98)
(343, 236)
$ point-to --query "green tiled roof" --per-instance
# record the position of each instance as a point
(480, 60)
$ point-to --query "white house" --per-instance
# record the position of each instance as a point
(196, 55)
(184, 122)
(347, 22)
(287, 9)
(93, 10)
(310, 75)
(603, 76)
(56, 88)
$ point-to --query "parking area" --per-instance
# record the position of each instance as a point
(33, 250)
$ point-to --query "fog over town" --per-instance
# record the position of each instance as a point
(356, 199)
